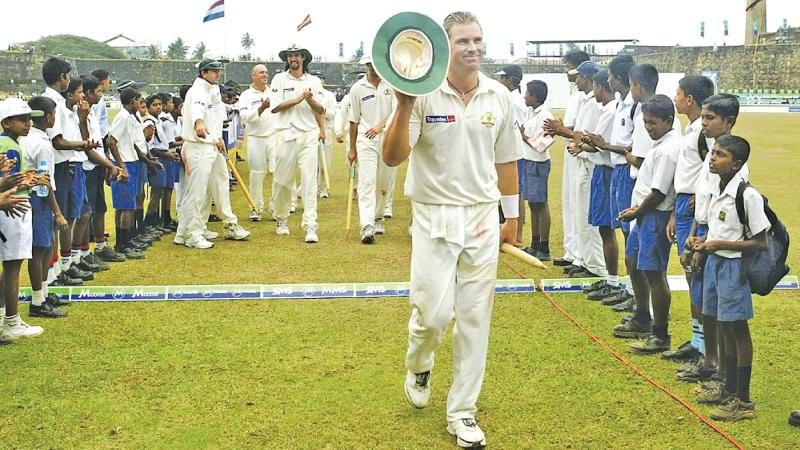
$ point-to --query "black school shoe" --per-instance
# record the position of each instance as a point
(625, 305)
(633, 329)
(75, 273)
(46, 311)
(55, 301)
(794, 418)
(651, 345)
(684, 353)
(604, 292)
(583, 274)
(65, 280)
(561, 262)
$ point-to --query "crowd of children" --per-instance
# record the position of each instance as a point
(627, 166)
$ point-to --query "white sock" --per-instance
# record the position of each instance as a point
(51, 274)
(75, 256)
(99, 246)
(37, 298)
(11, 320)
(45, 289)
(84, 252)
(629, 288)
(64, 262)
(613, 280)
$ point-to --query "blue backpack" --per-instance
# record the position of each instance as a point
(764, 269)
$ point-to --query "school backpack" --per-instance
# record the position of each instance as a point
(764, 269)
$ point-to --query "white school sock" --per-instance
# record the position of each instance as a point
(64, 262)
(629, 288)
(37, 299)
(99, 246)
(613, 280)
(84, 252)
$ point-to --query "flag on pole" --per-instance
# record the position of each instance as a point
(702, 29)
(216, 11)
(725, 26)
(305, 22)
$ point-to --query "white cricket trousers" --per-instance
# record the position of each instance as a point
(451, 279)
(567, 206)
(260, 160)
(590, 244)
(374, 177)
(206, 177)
(289, 155)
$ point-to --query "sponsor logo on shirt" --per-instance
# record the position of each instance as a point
(363, 99)
(487, 119)
(440, 119)
(288, 89)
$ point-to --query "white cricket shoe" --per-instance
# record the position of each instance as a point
(368, 234)
(467, 432)
(255, 216)
(210, 235)
(271, 209)
(235, 233)
(379, 227)
(283, 227)
(387, 212)
(293, 206)
(418, 389)
(19, 329)
(323, 193)
(201, 243)
(311, 234)
(179, 240)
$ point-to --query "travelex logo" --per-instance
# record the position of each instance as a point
(363, 99)
(440, 119)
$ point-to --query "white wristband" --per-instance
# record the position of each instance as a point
(510, 206)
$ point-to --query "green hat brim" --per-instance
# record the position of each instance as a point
(381, 59)
(304, 52)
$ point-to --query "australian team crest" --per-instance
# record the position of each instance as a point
(487, 119)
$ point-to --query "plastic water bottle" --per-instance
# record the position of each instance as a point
(42, 190)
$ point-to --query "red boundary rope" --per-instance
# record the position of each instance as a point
(629, 364)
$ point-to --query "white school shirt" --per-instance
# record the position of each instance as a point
(101, 113)
(329, 103)
(95, 134)
(588, 115)
(203, 102)
(62, 115)
(520, 108)
(605, 124)
(286, 87)
(658, 171)
(71, 130)
(370, 105)
(537, 145)
(622, 131)
(455, 147)
(708, 183)
(571, 111)
(689, 163)
(123, 130)
(158, 141)
(36, 147)
(723, 220)
(642, 144)
(255, 124)
(168, 126)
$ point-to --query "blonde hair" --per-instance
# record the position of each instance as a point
(459, 17)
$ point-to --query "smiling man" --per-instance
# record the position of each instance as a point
(462, 148)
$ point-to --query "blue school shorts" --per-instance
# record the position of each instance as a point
(123, 195)
(141, 178)
(78, 204)
(95, 189)
(648, 242)
(534, 180)
(696, 289)
(600, 197)
(43, 221)
(621, 191)
(164, 178)
(520, 173)
(63, 178)
(726, 290)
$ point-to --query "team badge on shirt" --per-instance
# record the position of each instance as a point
(386, 92)
(487, 119)
(722, 216)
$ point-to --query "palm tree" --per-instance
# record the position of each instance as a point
(199, 51)
(247, 42)
(153, 52)
(177, 49)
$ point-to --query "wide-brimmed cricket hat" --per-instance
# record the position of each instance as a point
(292, 48)
(411, 52)
(12, 107)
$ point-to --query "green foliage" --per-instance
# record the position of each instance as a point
(199, 51)
(71, 46)
(153, 52)
(177, 49)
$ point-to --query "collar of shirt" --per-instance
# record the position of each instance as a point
(627, 101)
(537, 110)
(265, 91)
(54, 95)
(733, 185)
(302, 77)
(667, 135)
(37, 133)
(483, 86)
(692, 127)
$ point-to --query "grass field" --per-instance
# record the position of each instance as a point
(329, 373)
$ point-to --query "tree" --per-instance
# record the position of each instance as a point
(177, 49)
(247, 42)
(153, 52)
(199, 51)
(358, 53)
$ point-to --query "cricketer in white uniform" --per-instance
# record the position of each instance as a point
(329, 102)
(204, 156)
(371, 104)
(342, 124)
(300, 127)
(259, 126)
(462, 148)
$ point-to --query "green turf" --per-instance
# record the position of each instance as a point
(329, 373)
